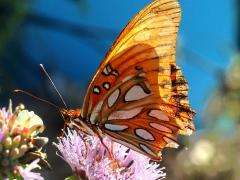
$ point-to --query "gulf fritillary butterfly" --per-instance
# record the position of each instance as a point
(138, 96)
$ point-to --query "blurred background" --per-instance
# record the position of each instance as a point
(71, 37)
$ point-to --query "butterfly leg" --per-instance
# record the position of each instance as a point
(115, 162)
(63, 130)
(85, 144)
(110, 153)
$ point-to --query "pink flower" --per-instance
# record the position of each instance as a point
(87, 156)
(20, 143)
(26, 172)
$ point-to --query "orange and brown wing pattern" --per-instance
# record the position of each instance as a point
(141, 68)
(148, 42)
(155, 26)
(134, 117)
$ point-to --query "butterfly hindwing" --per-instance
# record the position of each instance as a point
(131, 115)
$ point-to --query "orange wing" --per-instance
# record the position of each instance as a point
(132, 115)
(141, 67)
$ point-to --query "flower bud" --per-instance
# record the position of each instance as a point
(7, 143)
(15, 153)
(16, 141)
(23, 149)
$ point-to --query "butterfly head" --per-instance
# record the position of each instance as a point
(69, 115)
(73, 119)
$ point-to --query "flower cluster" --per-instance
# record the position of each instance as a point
(89, 159)
(20, 145)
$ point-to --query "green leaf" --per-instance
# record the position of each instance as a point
(73, 177)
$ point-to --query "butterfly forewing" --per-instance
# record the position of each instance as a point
(161, 12)
(138, 96)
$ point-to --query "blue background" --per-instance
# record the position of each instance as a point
(205, 42)
(71, 38)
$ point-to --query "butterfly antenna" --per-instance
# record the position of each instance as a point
(46, 73)
(35, 97)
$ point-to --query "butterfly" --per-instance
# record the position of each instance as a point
(138, 96)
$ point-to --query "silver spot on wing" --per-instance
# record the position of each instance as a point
(106, 85)
(144, 134)
(159, 115)
(135, 93)
(115, 127)
(95, 112)
(113, 97)
(125, 114)
(160, 127)
(147, 150)
(97, 90)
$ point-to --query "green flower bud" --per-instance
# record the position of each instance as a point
(15, 153)
(16, 141)
(23, 149)
(7, 143)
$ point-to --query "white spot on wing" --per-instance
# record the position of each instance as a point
(160, 127)
(114, 127)
(142, 75)
(135, 93)
(147, 150)
(109, 69)
(159, 115)
(96, 90)
(144, 134)
(113, 97)
(170, 142)
(125, 114)
(95, 112)
(105, 71)
(106, 85)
